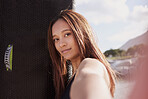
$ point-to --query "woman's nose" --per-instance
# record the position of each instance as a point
(62, 43)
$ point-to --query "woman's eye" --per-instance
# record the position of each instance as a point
(55, 40)
(67, 34)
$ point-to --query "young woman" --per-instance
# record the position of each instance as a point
(70, 38)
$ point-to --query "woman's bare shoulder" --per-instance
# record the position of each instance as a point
(89, 82)
(91, 66)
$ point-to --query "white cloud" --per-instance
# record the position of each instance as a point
(102, 11)
(78, 2)
(110, 11)
(139, 14)
(137, 23)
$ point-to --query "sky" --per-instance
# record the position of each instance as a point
(114, 22)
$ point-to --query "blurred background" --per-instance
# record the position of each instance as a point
(121, 32)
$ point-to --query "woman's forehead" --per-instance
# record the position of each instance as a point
(59, 26)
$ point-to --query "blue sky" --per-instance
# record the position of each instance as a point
(114, 21)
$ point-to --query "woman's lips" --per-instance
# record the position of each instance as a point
(66, 50)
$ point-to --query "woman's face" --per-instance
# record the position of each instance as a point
(64, 40)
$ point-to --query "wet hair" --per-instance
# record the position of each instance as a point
(87, 45)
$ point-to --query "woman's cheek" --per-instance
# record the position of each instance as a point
(57, 48)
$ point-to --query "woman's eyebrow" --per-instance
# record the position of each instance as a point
(53, 36)
(65, 30)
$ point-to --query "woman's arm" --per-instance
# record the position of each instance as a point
(90, 81)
